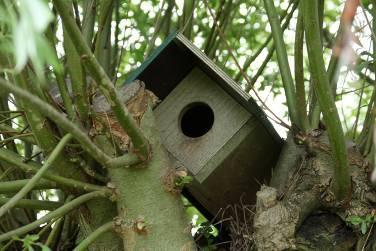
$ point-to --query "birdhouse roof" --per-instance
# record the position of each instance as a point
(170, 63)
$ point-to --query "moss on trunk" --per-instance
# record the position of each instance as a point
(149, 216)
(306, 188)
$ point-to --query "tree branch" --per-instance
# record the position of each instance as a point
(15, 185)
(245, 76)
(103, 44)
(29, 186)
(105, 85)
(11, 131)
(342, 184)
(78, 79)
(127, 160)
(13, 158)
(60, 120)
(93, 236)
(261, 69)
(19, 136)
(252, 58)
(59, 75)
(288, 83)
(89, 11)
(299, 73)
(61, 211)
(32, 204)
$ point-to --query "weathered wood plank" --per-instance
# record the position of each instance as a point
(229, 117)
(232, 145)
(241, 172)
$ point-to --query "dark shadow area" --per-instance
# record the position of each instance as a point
(196, 120)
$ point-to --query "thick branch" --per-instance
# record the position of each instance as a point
(89, 11)
(127, 160)
(78, 79)
(33, 204)
(40, 127)
(63, 89)
(187, 18)
(103, 44)
(288, 83)
(149, 182)
(15, 185)
(299, 73)
(325, 98)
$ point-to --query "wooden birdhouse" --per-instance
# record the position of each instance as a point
(209, 125)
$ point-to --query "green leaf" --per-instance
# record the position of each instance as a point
(37, 13)
(355, 220)
(183, 180)
(28, 38)
(44, 247)
(33, 237)
(369, 218)
(363, 227)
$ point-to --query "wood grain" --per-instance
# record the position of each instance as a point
(229, 117)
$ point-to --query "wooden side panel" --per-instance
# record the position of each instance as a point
(241, 173)
(229, 117)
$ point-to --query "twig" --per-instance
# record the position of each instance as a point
(253, 57)
(61, 211)
(29, 186)
(93, 236)
(32, 167)
(281, 122)
(9, 139)
(9, 118)
(108, 90)
(355, 126)
(368, 235)
(59, 119)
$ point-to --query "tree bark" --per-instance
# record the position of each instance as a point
(149, 215)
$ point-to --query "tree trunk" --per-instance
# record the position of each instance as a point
(149, 215)
(281, 221)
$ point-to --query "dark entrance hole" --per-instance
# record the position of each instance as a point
(196, 120)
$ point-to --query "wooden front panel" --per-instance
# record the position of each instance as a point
(241, 172)
(229, 117)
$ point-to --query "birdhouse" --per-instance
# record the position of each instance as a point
(209, 125)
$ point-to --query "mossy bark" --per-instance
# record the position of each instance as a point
(96, 213)
(150, 218)
(281, 210)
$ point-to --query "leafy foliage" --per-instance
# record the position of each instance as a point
(363, 222)
(30, 242)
